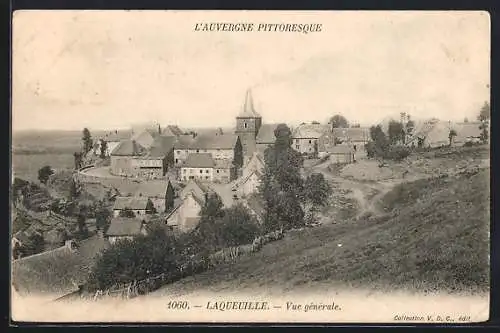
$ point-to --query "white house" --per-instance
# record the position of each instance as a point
(186, 216)
(305, 137)
(199, 166)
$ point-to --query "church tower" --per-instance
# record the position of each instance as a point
(248, 123)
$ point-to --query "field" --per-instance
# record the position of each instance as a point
(26, 166)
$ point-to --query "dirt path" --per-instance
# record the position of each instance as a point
(362, 192)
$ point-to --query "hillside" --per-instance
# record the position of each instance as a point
(437, 241)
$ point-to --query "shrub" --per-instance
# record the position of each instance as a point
(397, 153)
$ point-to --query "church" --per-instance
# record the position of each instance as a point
(254, 136)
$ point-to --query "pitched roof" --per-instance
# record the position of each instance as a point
(116, 136)
(353, 133)
(134, 203)
(255, 158)
(55, 271)
(128, 148)
(467, 130)
(197, 188)
(266, 133)
(161, 146)
(243, 180)
(248, 110)
(171, 130)
(125, 226)
(199, 160)
(310, 131)
(220, 141)
(183, 141)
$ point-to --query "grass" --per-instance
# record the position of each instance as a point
(26, 166)
(439, 243)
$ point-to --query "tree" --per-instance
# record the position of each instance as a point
(104, 148)
(169, 197)
(126, 212)
(282, 185)
(150, 207)
(379, 143)
(317, 191)
(338, 121)
(484, 118)
(34, 245)
(238, 226)
(87, 141)
(410, 127)
(44, 174)
(208, 229)
(74, 189)
(82, 230)
(451, 135)
(78, 160)
(395, 131)
(102, 218)
(138, 259)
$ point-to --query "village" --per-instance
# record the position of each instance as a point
(165, 175)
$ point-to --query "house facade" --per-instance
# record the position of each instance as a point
(248, 185)
(186, 216)
(356, 137)
(123, 228)
(139, 205)
(198, 166)
(224, 171)
(342, 154)
(124, 158)
(306, 136)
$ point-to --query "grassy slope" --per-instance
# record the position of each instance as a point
(439, 242)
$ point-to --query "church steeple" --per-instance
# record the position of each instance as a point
(248, 108)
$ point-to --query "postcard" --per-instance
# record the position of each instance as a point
(250, 166)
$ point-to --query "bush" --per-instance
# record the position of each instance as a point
(397, 153)
(126, 261)
(238, 226)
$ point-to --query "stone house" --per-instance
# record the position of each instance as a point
(342, 154)
(124, 228)
(139, 205)
(124, 160)
(186, 216)
(305, 137)
(248, 184)
(199, 166)
(356, 137)
(224, 171)
(181, 149)
(155, 163)
(220, 147)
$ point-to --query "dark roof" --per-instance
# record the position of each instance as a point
(199, 160)
(353, 133)
(134, 203)
(57, 271)
(183, 141)
(171, 130)
(129, 148)
(197, 188)
(161, 146)
(125, 226)
(220, 141)
(248, 110)
(266, 133)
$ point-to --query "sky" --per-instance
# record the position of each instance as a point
(111, 69)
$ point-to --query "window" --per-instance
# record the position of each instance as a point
(310, 141)
(178, 152)
(217, 171)
(297, 147)
(245, 125)
(206, 171)
(184, 170)
(206, 177)
(201, 171)
(176, 161)
(197, 150)
(297, 141)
